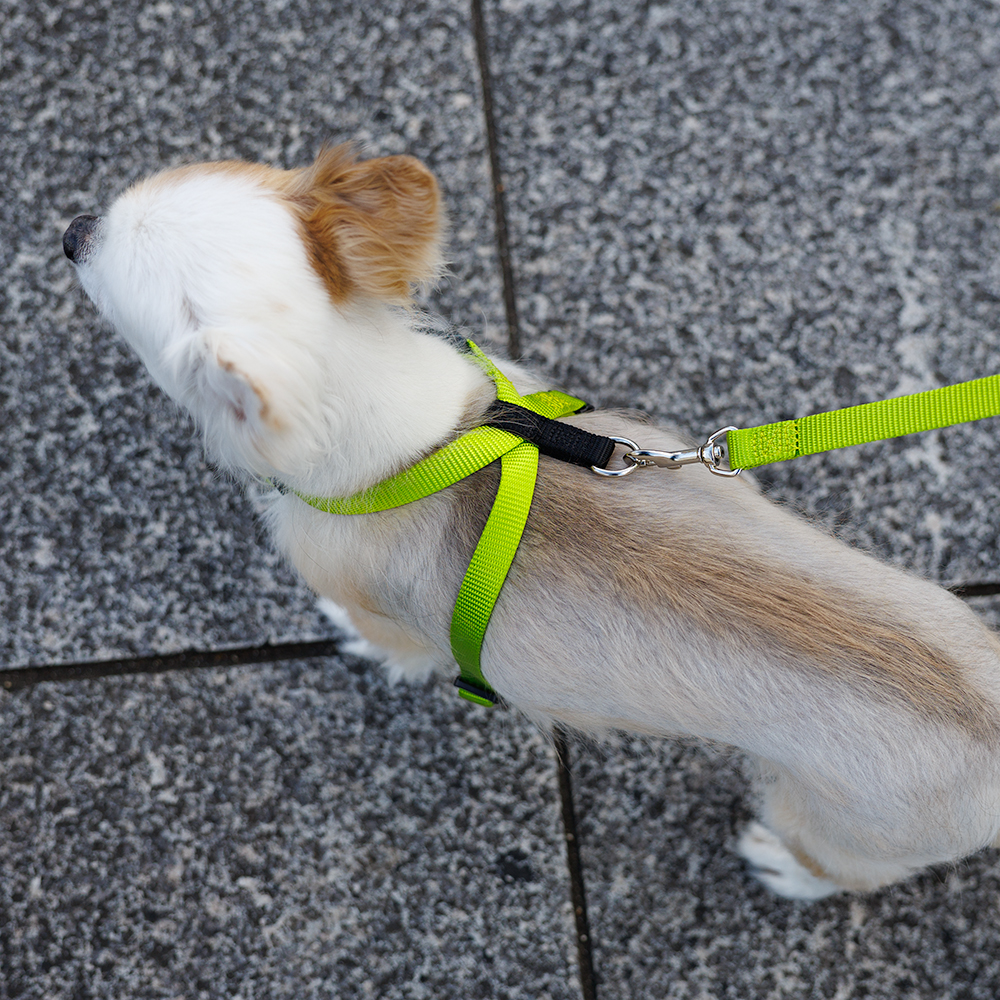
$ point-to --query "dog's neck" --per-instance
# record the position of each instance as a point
(408, 392)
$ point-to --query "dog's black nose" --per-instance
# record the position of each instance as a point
(78, 236)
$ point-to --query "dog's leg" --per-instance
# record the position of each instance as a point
(797, 853)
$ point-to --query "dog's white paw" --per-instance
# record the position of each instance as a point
(778, 868)
(355, 644)
(416, 666)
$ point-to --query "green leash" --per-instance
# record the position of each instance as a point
(886, 418)
(748, 448)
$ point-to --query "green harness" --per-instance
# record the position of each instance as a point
(500, 538)
(517, 427)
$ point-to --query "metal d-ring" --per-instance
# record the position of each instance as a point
(628, 457)
(710, 454)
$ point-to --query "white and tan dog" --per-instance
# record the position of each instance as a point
(267, 302)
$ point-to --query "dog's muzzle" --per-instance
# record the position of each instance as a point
(79, 237)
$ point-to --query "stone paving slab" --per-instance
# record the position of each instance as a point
(675, 915)
(283, 831)
(737, 213)
(734, 213)
(118, 538)
(719, 212)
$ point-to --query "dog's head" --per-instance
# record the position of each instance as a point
(243, 288)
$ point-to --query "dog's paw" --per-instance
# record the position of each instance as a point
(413, 665)
(354, 643)
(777, 867)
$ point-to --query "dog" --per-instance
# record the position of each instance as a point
(276, 307)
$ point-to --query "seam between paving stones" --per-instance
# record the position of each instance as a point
(574, 865)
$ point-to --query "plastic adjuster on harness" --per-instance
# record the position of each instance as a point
(473, 692)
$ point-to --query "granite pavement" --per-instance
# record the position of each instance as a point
(718, 213)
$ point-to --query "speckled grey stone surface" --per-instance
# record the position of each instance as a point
(728, 211)
(117, 537)
(738, 212)
(675, 915)
(287, 831)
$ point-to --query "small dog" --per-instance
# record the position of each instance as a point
(272, 304)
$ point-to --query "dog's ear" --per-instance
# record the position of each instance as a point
(231, 389)
(372, 227)
(253, 406)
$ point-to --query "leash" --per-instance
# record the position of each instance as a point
(885, 418)
(517, 428)
(778, 442)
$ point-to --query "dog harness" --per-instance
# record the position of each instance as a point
(515, 429)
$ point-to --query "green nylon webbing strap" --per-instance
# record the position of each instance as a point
(886, 418)
(499, 541)
(471, 452)
(490, 564)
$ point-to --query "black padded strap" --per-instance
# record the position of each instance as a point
(552, 437)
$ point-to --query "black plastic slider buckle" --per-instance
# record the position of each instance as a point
(476, 692)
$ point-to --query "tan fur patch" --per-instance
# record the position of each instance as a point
(265, 412)
(749, 603)
(810, 864)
